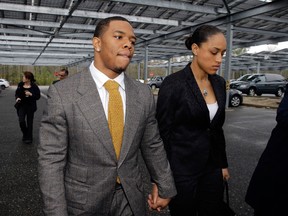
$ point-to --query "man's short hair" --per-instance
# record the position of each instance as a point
(104, 23)
(65, 70)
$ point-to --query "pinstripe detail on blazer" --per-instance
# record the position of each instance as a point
(77, 161)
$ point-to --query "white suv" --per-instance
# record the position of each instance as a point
(4, 84)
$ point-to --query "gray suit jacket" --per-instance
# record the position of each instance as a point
(77, 161)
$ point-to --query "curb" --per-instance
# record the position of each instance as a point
(259, 106)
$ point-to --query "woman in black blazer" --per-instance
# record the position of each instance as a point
(27, 93)
(268, 189)
(191, 113)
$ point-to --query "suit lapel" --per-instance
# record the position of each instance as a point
(91, 106)
(133, 112)
(191, 82)
(218, 91)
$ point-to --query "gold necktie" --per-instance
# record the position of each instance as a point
(115, 115)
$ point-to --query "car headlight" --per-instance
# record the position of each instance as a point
(239, 92)
(243, 86)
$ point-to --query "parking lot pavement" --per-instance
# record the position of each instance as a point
(19, 190)
(247, 131)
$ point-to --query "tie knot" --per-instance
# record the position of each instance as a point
(111, 85)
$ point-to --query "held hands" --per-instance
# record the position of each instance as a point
(155, 202)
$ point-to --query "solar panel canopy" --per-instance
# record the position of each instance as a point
(60, 32)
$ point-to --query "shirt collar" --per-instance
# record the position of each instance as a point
(100, 78)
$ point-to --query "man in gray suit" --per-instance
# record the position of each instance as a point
(78, 166)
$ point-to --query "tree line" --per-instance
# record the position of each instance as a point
(45, 75)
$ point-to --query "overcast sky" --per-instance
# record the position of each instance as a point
(268, 47)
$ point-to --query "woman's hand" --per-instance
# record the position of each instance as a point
(155, 201)
(18, 100)
(225, 174)
(28, 93)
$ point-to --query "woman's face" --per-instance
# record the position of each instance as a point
(24, 79)
(209, 55)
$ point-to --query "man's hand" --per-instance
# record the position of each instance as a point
(155, 201)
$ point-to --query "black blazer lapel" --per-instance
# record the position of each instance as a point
(195, 91)
(220, 94)
(218, 90)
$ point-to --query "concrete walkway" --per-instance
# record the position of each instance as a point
(19, 190)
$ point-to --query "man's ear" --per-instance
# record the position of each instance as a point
(195, 49)
(96, 44)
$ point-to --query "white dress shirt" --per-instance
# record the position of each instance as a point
(100, 79)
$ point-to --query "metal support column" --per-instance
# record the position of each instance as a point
(169, 67)
(229, 38)
(146, 63)
(139, 70)
(258, 67)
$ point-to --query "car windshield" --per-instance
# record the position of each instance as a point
(244, 77)
(157, 78)
(252, 77)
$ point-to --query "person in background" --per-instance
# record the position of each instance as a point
(27, 93)
(191, 113)
(81, 169)
(62, 74)
(267, 192)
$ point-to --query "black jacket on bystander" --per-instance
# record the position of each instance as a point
(268, 189)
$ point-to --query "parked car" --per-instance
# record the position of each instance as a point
(243, 79)
(140, 80)
(259, 84)
(155, 82)
(235, 98)
(4, 84)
